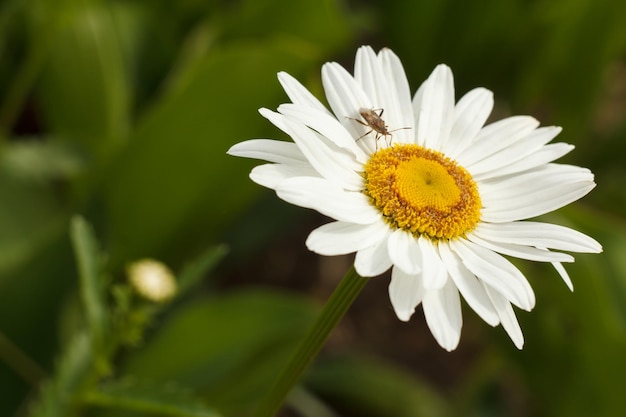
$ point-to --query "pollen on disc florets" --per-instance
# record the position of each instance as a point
(422, 191)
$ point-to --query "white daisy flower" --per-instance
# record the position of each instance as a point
(422, 186)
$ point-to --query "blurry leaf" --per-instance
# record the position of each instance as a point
(56, 398)
(467, 36)
(306, 404)
(21, 61)
(40, 161)
(92, 286)
(191, 56)
(574, 29)
(603, 275)
(549, 58)
(575, 342)
(370, 387)
(161, 37)
(85, 94)
(9, 11)
(33, 287)
(175, 180)
(605, 157)
(175, 168)
(229, 348)
(129, 396)
(316, 25)
(30, 218)
(195, 271)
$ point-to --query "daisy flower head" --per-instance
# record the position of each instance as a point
(422, 186)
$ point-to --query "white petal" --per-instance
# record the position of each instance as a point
(496, 271)
(330, 164)
(417, 103)
(522, 252)
(442, 309)
(516, 151)
(270, 175)
(329, 199)
(546, 175)
(534, 203)
(495, 137)
(340, 238)
(276, 119)
(469, 286)
(534, 192)
(543, 156)
(539, 235)
(369, 74)
(470, 114)
(268, 150)
(436, 112)
(434, 272)
(373, 261)
(507, 317)
(345, 97)
(380, 87)
(405, 292)
(299, 94)
(401, 93)
(564, 275)
(328, 127)
(404, 252)
(341, 167)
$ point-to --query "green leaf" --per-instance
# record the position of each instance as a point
(141, 397)
(92, 288)
(573, 357)
(30, 218)
(229, 349)
(176, 173)
(58, 395)
(371, 387)
(315, 25)
(41, 161)
(18, 72)
(85, 92)
(195, 271)
(573, 29)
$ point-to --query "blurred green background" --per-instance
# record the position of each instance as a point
(122, 111)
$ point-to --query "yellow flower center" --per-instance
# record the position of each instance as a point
(423, 191)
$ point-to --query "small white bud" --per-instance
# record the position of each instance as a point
(152, 280)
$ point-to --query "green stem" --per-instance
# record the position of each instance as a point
(21, 363)
(333, 311)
